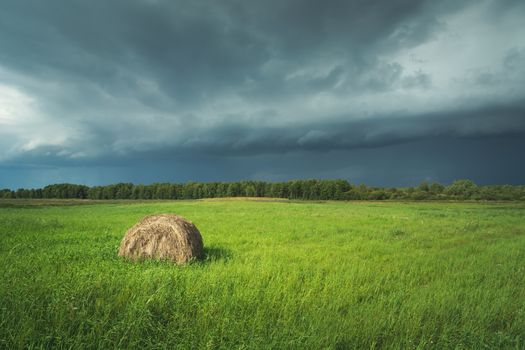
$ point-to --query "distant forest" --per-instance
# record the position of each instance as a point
(296, 189)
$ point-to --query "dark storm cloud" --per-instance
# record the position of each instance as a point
(100, 83)
(194, 49)
(375, 132)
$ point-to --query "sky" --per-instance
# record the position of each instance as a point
(385, 92)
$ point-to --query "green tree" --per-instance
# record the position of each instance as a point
(250, 191)
(423, 187)
(436, 188)
(462, 189)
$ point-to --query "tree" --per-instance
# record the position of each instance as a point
(233, 190)
(436, 188)
(462, 189)
(250, 191)
(423, 187)
(312, 189)
(377, 194)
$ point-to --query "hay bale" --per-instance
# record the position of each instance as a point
(164, 236)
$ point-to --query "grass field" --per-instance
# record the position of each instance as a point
(276, 275)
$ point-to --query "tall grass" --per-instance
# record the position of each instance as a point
(276, 275)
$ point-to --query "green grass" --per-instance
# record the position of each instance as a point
(276, 275)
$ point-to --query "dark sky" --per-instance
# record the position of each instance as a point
(387, 92)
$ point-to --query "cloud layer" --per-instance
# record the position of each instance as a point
(92, 83)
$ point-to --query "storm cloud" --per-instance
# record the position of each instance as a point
(213, 87)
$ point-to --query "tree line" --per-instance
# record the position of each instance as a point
(295, 189)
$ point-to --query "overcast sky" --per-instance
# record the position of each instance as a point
(385, 92)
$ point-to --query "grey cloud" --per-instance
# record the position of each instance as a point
(515, 59)
(443, 159)
(365, 133)
(126, 80)
(417, 80)
(194, 50)
(243, 140)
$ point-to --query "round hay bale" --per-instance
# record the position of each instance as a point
(164, 236)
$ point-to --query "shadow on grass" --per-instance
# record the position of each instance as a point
(215, 254)
(211, 255)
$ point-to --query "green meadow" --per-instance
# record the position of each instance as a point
(277, 275)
